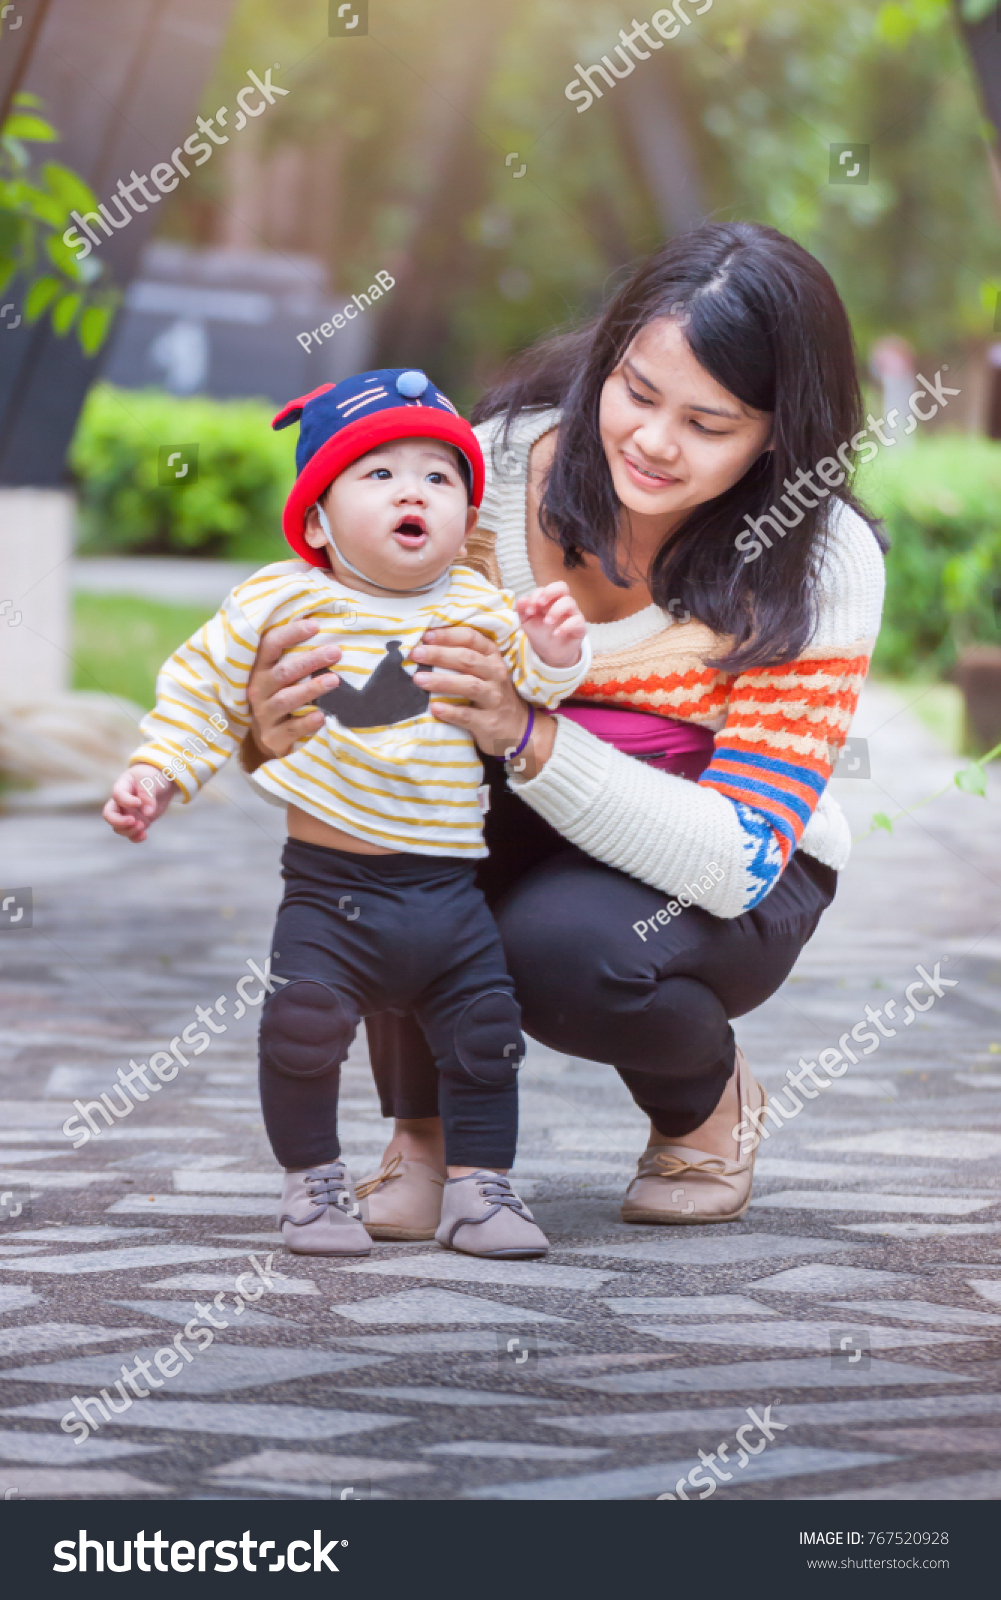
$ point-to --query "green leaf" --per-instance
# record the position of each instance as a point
(69, 188)
(23, 98)
(881, 820)
(63, 258)
(64, 312)
(972, 779)
(39, 297)
(92, 329)
(21, 125)
(10, 233)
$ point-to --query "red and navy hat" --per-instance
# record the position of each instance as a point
(341, 421)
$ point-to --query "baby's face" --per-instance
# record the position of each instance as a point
(400, 514)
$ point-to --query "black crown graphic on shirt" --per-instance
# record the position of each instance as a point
(390, 695)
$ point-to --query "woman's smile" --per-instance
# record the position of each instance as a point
(647, 477)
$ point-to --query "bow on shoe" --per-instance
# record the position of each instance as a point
(659, 1164)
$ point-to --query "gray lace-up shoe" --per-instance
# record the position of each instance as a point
(482, 1216)
(319, 1215)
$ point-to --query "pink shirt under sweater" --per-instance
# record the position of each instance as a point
(665, 742)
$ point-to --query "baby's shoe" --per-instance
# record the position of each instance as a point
(401, 1201)
(482, 1216)
(319, 1215)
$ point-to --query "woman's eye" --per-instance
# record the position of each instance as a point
(711, 433)
(640, 399)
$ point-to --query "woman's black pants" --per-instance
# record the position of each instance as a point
(655, 1005)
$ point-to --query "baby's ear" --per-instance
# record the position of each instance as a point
(472, 517)
(312, 532)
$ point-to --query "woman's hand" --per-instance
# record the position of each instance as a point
(467, 663)
(280, 684)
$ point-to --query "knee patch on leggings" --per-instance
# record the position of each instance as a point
(488, 1042)
(306, 1030)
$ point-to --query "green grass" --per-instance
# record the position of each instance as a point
(121, 641)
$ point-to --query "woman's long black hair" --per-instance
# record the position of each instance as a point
(763, 317)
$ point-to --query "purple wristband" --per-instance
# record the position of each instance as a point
(525, 737)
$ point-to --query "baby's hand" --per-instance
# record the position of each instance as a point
(139, 796)
(553, 623)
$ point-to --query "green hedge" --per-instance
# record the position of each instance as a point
(940, 499)
(232, 509)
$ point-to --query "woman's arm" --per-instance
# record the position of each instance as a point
(752, 805)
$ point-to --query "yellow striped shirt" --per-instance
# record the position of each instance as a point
(406, 785)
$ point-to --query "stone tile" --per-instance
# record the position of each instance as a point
(473, 1341)
(21, 1249)
(124, 1260)
(987, 1288)
(760, 1377)
(820, 1414)
(253, 1421)
(833, 1200)
(924, 1311)
(54, 1483)
(92, 1233)
(442, 1395)
(59, 1450)
(188, 1181)
(824, 1279)
(448, 1267)
(793, 1335)
(697, 1248)
(321, 1468)
(212, 1283)
(195, 1205)
(182, 1311)
(936, 1441)
(965, 1486)
(213, 1371)
(38, 1336)
(41, 1180)
(647, 1482)
(427, 1307)
(691, 1305)
(14, 1298)
(918, 1230)
(937, 1144)
(494, 1450)
(20, 1158)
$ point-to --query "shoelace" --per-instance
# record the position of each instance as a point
(391, 1170)
(500, 1193)
(328, 1189)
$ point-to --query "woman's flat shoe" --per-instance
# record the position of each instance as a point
(401, 1201)
(676, 1184)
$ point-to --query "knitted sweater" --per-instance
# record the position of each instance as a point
(777, 728)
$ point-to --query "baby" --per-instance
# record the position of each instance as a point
(381, 910)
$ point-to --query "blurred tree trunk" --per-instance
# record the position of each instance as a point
(445, 168)
(653, 126)
(983, 40)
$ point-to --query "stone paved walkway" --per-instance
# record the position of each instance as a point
(597, 1374)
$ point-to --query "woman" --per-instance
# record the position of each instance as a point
(664, 846)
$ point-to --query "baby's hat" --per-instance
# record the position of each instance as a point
(341, 421)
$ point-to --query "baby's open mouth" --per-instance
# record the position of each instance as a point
(411, 531)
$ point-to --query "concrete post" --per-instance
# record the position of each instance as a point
(36, 543)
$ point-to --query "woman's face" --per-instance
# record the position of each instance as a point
(673, 437)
